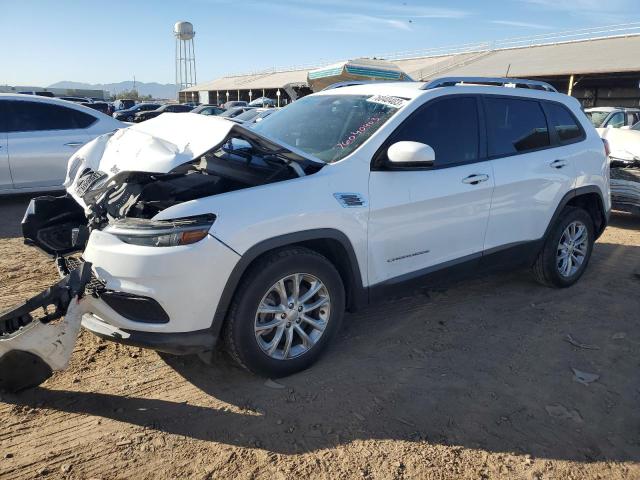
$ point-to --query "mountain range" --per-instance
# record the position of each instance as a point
(156, 90)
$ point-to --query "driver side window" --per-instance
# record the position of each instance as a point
(450, 126)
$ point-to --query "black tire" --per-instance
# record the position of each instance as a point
(546, 269)
(240, 338)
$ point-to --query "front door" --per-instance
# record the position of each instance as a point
(41, 139)
(422, 220)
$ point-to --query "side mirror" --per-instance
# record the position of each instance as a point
(411, 154)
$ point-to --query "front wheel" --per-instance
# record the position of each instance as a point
(567, 250)
(285, 312)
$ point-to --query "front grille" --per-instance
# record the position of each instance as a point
(66, 265)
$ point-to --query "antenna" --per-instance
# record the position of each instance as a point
(185, 55)
(506, 75)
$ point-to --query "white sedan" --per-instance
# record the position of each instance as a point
(37, 137)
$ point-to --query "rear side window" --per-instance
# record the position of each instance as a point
(515, 126)
(564, 123)
(36, 116)
(449, 126)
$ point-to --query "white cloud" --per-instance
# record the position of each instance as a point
(363, 23)
(348, 16)
(597, 11)
(514, 23)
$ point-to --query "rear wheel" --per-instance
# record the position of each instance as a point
(567, 250)
(285, 312)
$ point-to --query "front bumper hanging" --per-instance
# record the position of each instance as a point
(35, 339)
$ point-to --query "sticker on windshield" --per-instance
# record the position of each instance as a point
(359, 131)
(395, 102)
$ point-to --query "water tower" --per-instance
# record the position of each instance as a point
(185, 55)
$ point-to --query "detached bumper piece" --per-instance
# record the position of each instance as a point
(35, 340)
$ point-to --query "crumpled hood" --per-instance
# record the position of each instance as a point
(157, 145)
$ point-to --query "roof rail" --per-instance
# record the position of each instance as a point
(494, 81)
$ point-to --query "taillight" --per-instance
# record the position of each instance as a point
(607, 150)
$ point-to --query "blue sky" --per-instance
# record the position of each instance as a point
(109, 41)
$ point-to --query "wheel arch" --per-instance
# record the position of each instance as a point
(331, 243)
(590, 199)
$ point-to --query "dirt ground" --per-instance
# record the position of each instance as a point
(472, 382)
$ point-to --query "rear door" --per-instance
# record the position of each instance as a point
(532, 173)
(41, 138)
(5, 173)
(423, 219)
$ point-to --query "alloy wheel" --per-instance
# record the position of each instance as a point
(572, 248)
(292, 316)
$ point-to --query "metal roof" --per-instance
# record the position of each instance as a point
(601, 55)
(617, 54)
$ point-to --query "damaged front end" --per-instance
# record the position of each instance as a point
(117, 184)
(138, 172)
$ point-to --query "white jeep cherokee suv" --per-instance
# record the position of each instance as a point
(198, 228)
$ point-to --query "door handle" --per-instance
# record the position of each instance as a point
(475, 179)
(558, 164)
(73, 144)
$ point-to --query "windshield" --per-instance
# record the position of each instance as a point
(597, 118)
(330, 127)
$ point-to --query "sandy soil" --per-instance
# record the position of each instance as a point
(473, 382)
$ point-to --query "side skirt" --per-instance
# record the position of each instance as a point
(509, 257)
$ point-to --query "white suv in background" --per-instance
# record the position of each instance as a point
(613, 117)
(37, 137)
(198, 228)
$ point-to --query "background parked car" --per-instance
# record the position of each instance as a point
(169, 108)
(41, 94)
(613, 117)
(235, 111)
(37, 137)
(100, 106)
(235, 103)
(123, 104)
(253, 116)
(208, 110)
(263, 102)
(77, 99)
(624, 146)
(129, 114)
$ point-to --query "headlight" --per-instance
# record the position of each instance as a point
(162, 233)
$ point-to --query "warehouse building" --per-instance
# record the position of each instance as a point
(600, 67)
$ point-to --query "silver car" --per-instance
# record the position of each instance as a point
(37, 137)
